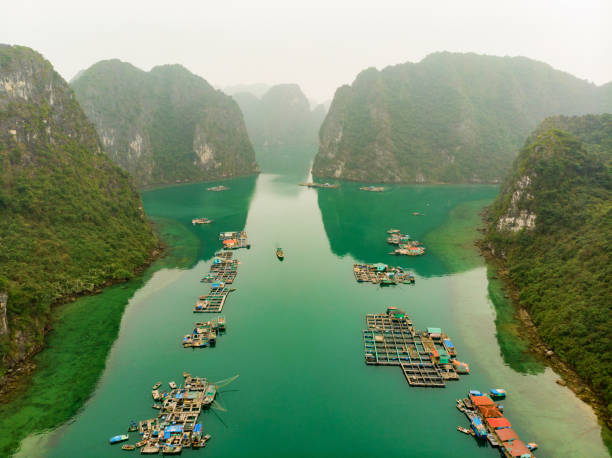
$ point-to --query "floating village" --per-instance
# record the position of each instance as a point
(427, 358)
(487, 423)
(406, 247)
(176, 425)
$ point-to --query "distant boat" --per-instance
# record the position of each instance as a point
(201, 221)
(279, 254)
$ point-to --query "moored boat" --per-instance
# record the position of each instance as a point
(172, 385)
(172, 450)
(128, 447)
(118, 438)
(157, 385)
(221, 323)
(209, 395)
(133, 427)
(498, 393)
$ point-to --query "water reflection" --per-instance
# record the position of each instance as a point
(175, 207)
(356, 221)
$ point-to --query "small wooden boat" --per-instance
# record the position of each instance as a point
(118, 438)
(279, 254)
(207, 437)
(532, 446)
(157, 385)
(372, 188)
(221, 323)
(141, 443)
(201, 221)
(128, 447)
(172, 450)
(133, 427)
(172, 385)
(464, 430)
(157, 406)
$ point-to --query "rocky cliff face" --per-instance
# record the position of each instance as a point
(552, 227)
(69, 218)
(166, 125)
(449, 118)
(281, 124)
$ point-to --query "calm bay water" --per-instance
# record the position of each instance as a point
(294, 333)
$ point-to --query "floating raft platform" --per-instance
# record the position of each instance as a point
(320, 185)
(372, 188)
(218, 188)
(391, 340)
(488, 423)
(213, 301)
(176, 426)
(406, 247)
(225, 270)
(234, 240)
(382, 274)
(205, 334)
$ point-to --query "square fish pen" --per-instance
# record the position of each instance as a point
(391, 340)
(212, 302)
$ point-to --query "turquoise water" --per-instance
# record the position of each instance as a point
(294, 334)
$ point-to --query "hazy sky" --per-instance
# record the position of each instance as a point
(317, 44)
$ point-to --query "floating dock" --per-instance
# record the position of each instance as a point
(204, 334)
(406, 247)
(489, 424)
(213, 301)
(391, 340)
(372, 188)
(320, 185)
(382, 274)
(176, 426)
(234, 240)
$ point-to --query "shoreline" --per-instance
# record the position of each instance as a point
(529, 333)
(156, 186)
(12, 381)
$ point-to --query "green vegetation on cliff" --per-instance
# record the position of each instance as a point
(165, 126)
(449, 118)
(552, 227)
(283, 128)
(70, 220)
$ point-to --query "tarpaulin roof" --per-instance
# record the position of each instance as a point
(197, 428)
(449, 343)
(490, 411)
(481, 400)
(434, 330)
(500, 422)
(517, 448)
(506, 434)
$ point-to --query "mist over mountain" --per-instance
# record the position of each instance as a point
(449, 118)
(282, 126)
(166, 125)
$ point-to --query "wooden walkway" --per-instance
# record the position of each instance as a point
(213, 301)
(369, 273)
(392, 341)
